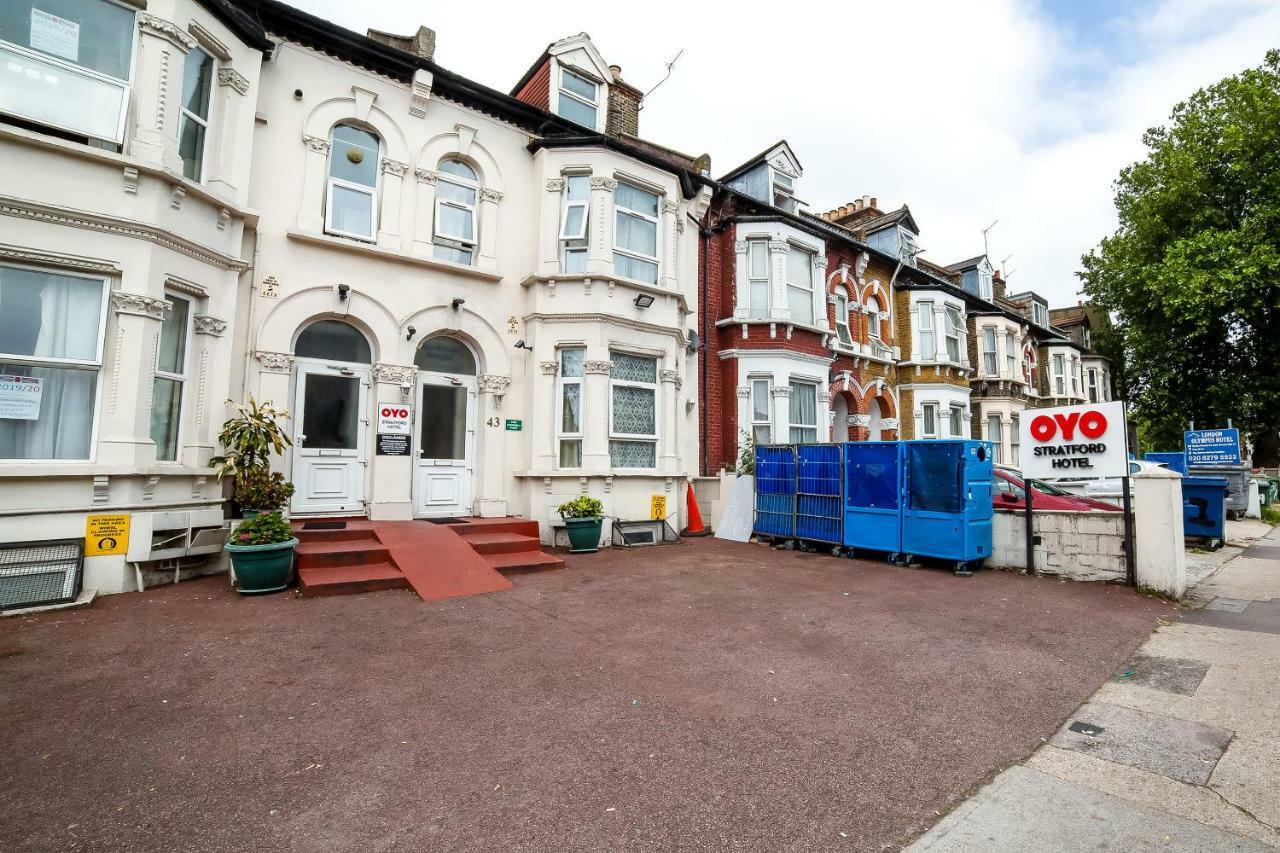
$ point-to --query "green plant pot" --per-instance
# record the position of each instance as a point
(584, 534)
(247, 514)
(262, 568)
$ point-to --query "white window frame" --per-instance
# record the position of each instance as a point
(990, 353)
(562, 92)
(928, 410)
(953, 322)
(767, 424)
(438, 236)
(1059, 364)
(575, 243)
(72, 363)
(1039, 314)
(1028, 368)
(955, 415)
(792, 423)
(874, 312)
(984, 283)
(561, 382)
(1076, 379)
(925, 310)
(179, 378)
(995, 435)
(1015, 447)
(908, 246)
(840, 299)
(621, 210)
(754, 282)
(374, 192)
(1091, 385)
(655, 386)
(207, 123)
(813, 284)
(1010, 353)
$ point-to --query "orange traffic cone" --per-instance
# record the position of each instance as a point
(695, 527)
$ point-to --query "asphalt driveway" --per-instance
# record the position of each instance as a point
(702, 696)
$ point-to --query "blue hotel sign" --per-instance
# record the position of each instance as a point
(1212, 447)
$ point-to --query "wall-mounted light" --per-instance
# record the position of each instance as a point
(644, 300)
(409, 333)
(457, 302)
(405, 389)
(343, 290)
(520, 344)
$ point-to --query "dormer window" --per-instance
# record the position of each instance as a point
(579, 99)
(984, 282)
(784, 191)
(908, 247)
(1039, 314)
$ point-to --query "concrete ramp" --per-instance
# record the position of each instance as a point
(436, 561)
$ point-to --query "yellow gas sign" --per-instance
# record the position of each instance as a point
(658, 507)
(106, 534)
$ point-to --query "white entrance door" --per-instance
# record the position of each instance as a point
(446, 439)
(329, 448)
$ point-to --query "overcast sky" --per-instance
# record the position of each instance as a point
(967, 111)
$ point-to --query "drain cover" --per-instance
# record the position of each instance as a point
(446, 520)
(1083, 728)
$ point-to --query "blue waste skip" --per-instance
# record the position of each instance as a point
(1173, 461)
(873, 496)
(775, 490)
(819, 489)
(1204, 509)
(946, 509)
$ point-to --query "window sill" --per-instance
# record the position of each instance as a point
(767, 321)
(42, 468)
(611, 281)
(374, 250)
(580, 474)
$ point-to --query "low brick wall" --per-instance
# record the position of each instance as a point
(1082, 546)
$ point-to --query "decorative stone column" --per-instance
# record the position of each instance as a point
(488, 254)
(491, 455)
(549, 233)
(741, 280)
(274, 372)
(226, 146)
(390, 193)
(778, 309)
(744, 418)
(546, 457)
(669, 214)
(424, 211)
(595, 435)
(211, 370)
(781, 427)
(669, 458)
(391, 477)
(820, 293)
(162, 46)
(314, 170)
(859, 427)
(600, 246)
(888, 429)
(126, 417)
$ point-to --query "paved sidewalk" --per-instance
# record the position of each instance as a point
(1180, 751)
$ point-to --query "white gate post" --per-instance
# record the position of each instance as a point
(1161, 558)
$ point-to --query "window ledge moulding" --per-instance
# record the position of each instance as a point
(392, 255)
(603, 474)
(38, 257)
(785, 325)
(130, 169)
(43, 468)
(611, 282)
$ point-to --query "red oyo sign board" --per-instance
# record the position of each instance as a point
(1074, 441)
(394, 419)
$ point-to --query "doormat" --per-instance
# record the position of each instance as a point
(325, 525)
(446, 520)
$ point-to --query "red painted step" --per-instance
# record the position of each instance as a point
(349, 553)
(501, 543)
(524, 561)
(509, 524)
(350, 534)
(345, 580)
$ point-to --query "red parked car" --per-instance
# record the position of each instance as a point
(1007, 492)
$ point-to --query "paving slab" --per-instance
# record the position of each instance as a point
(1228, 605)
(1025, 810)
(1174, 675)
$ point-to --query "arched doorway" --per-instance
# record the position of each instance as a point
(331, 386)
(444, 458)
(873, 416)
(840, 429)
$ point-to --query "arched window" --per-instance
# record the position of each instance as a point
(873, 318)
(841, 296)
(456, 189)
(446, 355)
(333, 340)
(351, 201)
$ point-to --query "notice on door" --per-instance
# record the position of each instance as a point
(106, 534)
(55, 35)
(391, 444)
(20, 397)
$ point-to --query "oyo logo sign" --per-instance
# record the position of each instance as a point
(1091, 424)
(392, 412)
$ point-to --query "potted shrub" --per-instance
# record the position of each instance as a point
(250, 438)
(260, 490)
(261, 551)
(583, 518)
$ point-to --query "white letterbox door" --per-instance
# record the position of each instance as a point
(330, 448)
(445, 441)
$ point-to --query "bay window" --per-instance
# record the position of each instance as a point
(193, 124)
(575, 216)
(800, 285)
(841, 298)
(455, 229)
(758, 279)
(351, 202)
(954, 323)
(635, 239)
(804, 412)
(1075, 376)
(924, 314)
(579, 98)
(995, 436)
(957, 421)
(929, 420)
(50, 360)
(168, 388)
(1010, 357)
(1059, 376)
(67, 64)
(1093, 385)
(569, 407)
(990, 362)
(633, 411)
(761, 421)
(1015, 440)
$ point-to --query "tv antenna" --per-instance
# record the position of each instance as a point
(985, 250)
(670, 65)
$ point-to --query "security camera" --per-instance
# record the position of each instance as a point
(343, 290)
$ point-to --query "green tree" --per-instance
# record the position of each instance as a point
(1192, 275)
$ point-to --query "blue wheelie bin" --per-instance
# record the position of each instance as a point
(1204, 510)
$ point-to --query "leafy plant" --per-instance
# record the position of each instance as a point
(582, 507)
(250, 438)
(747, 456)
(262, 489)
(267, 529)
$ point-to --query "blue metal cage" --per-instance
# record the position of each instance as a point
(873, 495)
(819, 490)
(946, 510)
(775, 477)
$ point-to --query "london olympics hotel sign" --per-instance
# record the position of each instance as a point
(1075, 441)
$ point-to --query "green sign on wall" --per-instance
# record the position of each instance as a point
(514, 425)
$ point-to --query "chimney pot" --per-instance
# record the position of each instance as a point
(873, 202)
(616, 71)
(857, 204)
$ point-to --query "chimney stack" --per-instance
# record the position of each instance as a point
(623, 118)
(421, 44)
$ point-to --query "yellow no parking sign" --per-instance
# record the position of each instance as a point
(106, 534)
